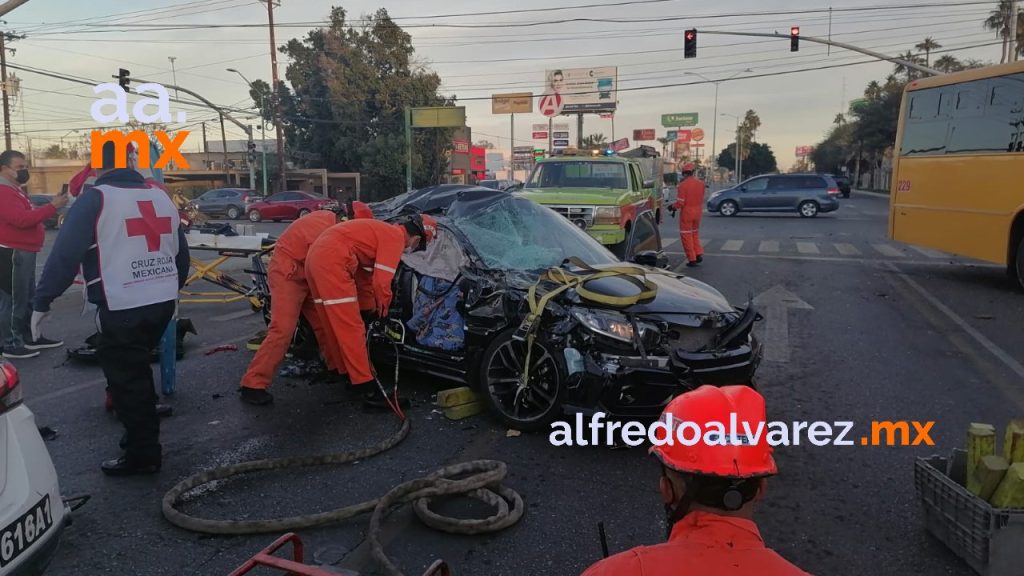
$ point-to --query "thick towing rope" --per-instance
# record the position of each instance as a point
(477, 479)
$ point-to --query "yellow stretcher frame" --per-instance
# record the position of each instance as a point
(207, 270)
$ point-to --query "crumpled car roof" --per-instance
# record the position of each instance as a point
(448, 199)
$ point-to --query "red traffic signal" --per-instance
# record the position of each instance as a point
(690, 43)
(794, 38)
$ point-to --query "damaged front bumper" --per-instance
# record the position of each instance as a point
(640, 386)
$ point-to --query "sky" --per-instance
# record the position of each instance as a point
(500, 53)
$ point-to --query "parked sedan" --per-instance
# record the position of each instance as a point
(288, 206)
(231, 203)
(32, 513)
(805, 194)
(460, 306)
(57, 220)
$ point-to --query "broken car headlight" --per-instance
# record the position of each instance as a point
(612, 324)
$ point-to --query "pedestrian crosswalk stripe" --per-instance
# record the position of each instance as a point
(847, 249)
(732, 246)
(807, 248)
(930, 253)
(768, 246)
(887, 250)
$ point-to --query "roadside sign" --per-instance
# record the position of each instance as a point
(644, 135)
(697, 134)
(803, 151)
(607, 116)
(698, 145)
(540, 135)
(560, 127)
(439, 117)
(620, 144)
(560, 143)
(672, 135)
(551, 104)
(517, 103)
(561, 135)
(679, 120)
(461, 147)
(540, 127)
(684, 136)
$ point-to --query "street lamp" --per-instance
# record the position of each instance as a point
(174, 74)
(263, 131)
(714, 130)
(738, 145)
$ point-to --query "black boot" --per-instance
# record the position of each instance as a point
(693, 264)
(164, 410)
(256, 396)
(700, 259)
(374, 400)
(121, 467)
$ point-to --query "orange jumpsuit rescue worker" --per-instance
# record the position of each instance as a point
(342, 258)
(708, 490)
(690, 200)
(290, 296)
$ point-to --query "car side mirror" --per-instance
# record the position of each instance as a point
(648, 183)
(652, 258)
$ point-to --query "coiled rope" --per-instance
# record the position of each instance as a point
(477, 479)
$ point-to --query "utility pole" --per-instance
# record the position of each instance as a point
(4, 36)
(206, 149)
(174, 75)
(283, 182)
(224, 145)
(250, 159)
(1013, 30)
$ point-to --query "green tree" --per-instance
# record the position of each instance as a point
(948, 63)
(55, 151)
(349, 89)
(908, 72)
(999, 22)
(594, 141)
(748, 127)
(926, 46)
(758, 159)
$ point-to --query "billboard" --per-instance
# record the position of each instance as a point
(620, 144)
(679, 120)
(583, 89)
(517, 103)
(804, 151)
(643, 135)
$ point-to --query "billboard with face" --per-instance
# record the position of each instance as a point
(584, 89)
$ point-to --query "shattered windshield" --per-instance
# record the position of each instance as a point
(518, 234)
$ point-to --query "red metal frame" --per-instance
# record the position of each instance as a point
(294, 566)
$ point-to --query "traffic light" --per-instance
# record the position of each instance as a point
(252, 151)
(794, 39)
(122, 78)
(690, 43)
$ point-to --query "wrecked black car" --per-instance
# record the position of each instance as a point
(617, 342)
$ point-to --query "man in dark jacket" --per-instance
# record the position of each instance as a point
(21, 238)
(125, 234)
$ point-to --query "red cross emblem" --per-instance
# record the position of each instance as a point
(149, 225)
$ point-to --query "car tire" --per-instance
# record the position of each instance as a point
(501, 365)
(728, 208)
(303, 212)
(233, 213)
(808, 209)
(1018, 263)
(255, 216)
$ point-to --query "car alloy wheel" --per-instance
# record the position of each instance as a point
(303, 212)
(727, 208)
(255, 216)
(809, 209)
(528, 408)
(233, 213)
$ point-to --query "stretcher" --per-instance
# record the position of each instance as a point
(225, 247)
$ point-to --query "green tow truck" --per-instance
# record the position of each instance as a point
(602, 195)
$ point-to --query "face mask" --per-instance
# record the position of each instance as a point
(23, 175)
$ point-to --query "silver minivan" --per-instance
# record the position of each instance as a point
(805, 194)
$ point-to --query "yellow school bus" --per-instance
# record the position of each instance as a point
(958, 166)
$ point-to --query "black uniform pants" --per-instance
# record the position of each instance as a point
(127, 339)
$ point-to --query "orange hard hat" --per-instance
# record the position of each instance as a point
(429, 227)
(688, 167)
(739, 411)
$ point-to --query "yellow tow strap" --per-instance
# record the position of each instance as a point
(566, 280)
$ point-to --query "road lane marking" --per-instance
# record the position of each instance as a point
(777, 302)
(929, 252)
(847, 249)
(887, 250)
(768, 246)
(926, 263)
(670, 241)
(807, 248)
(732, 245)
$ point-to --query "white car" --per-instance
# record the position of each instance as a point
(32, 512)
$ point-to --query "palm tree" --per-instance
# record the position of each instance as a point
(664, 145)
(948, 63)
(908, 56)
(873, 91)
(997, 21)
(926, 46)
(595, 141)
(840, 119)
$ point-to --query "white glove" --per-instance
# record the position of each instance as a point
(37, 320)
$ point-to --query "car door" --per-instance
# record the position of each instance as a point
(645, 239)
(783, 192)
(754, 194)
(273, 208)
(295, 202)
(205, 202)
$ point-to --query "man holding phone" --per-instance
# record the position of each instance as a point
(21, 238)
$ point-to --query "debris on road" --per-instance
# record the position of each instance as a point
(513, 433)
(459, 403)
(222, 348)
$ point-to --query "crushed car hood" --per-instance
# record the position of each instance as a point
(573, 196)
(675, 295)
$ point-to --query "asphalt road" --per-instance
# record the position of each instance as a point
(873, 331)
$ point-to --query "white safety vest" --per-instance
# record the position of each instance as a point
(137, 242)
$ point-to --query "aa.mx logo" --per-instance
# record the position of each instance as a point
(161, 102)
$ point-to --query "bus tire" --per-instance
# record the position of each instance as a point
(1017, 265)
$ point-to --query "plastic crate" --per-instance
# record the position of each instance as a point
(990, 540)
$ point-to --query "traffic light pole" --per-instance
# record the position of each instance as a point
(873, 54)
